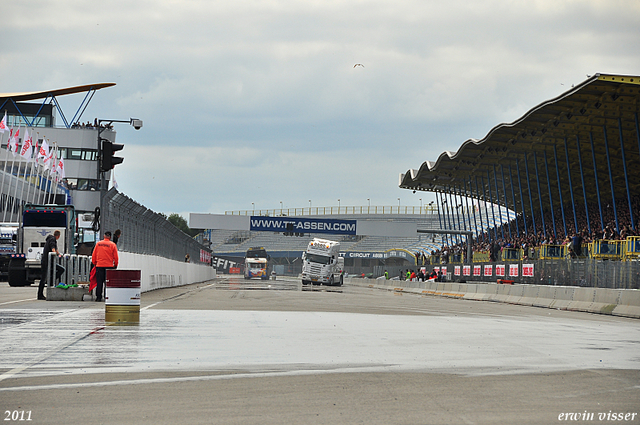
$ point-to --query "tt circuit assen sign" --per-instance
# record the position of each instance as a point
(302, 225)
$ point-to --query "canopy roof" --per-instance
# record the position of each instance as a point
(21, 97)
(587, 132)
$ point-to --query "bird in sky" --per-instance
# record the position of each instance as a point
(358, 64)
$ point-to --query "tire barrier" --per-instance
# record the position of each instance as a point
(617, 302)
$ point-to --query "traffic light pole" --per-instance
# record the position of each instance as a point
(137, 124)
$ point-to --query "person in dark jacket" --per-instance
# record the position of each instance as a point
(50, 245)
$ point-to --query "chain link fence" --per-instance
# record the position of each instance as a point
(147, 232)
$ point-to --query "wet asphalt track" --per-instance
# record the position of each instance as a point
(235, 351)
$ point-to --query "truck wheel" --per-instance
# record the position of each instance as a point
(330, 281)
(17, 277)
(305, 282)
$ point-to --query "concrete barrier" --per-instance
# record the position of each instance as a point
(628, 304)
(563, 296)
(158, 272)
(582, 299)
(619, 302)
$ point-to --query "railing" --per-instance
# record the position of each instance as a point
(76, 269)
(552, 252)
(315, 211)
(481, 256)
(632, 248)
(607, 250)
(512, 254)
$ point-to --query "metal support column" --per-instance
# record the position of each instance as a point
(564, 222)
(495, 181)
(544, 227)
(524, 214)
(513, 198)
(493, 212)
(475, 224)
(626, 177)
(573, 205)
(506, 202)
(484, 237)
(613, 194)
(584, 188)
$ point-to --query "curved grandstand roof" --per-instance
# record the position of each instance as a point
(587, 132)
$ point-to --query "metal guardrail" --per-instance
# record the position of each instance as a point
(147, 232)
(73, 269)
(347, 210)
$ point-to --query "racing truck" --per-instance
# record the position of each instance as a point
(36, 223)
(8, 236)
(256, 263)
(322, 263)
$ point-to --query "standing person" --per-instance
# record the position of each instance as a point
(105, 256)
(50, 245)
(116, 236)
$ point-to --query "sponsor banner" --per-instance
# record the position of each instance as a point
(456, 271)
(466, 270)
(302, 225)
(513, 270)
(397, 253)
(224, 264)
(477, 270)
(500, 269)
(205, 257)
(488, 270)
(444, 270)
(527, 270)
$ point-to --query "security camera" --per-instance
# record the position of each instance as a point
(136, 123)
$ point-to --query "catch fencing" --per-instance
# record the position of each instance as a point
(147, 232)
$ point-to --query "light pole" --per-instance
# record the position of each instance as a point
(338, 205)
(369, 201)
(101, 174)
(281, 207)
(253, 207)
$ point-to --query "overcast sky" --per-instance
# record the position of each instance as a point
(258, 102)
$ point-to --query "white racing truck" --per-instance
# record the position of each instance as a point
(322, 263)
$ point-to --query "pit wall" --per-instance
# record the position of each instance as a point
(618, 302)
(158, 272)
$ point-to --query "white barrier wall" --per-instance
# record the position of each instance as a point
(158, 272)
(618, 302)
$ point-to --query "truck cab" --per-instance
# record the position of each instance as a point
(36, 223)
(322, 263)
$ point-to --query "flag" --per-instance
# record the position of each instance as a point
(27, 144)
(60, 169)
(3, 123)
(114, 183)
(13, 142)
(43, 153)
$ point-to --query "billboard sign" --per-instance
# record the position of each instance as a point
(302, 225)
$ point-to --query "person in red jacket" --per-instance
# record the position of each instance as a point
(105, 256)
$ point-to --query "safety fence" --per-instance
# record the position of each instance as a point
(567, 272)
(147, 232)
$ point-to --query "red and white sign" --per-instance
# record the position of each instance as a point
(513, 270)
(444, 270)
(499, 269)
(477, 270)
(466, 270)
(488, 270)
(527, 270)
(456, 271)
(205, 257)
(436, 269)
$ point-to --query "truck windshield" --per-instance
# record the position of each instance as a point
(320, 259)
(40, 219)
